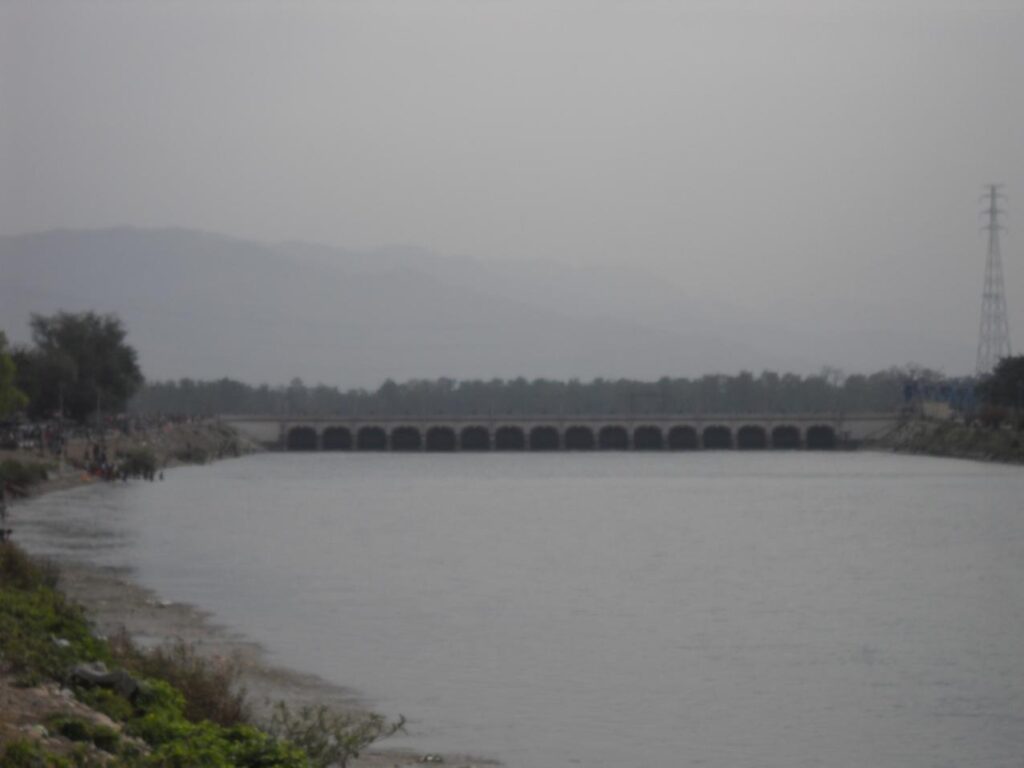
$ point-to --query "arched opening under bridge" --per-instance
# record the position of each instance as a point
(821, 438)
(751, 437)
(682, 439)
(717, 438)
(302, 439)
(648, 438)
(509, 439)
(543, 439)
(613, 439)
(786, 437)
(371, 439)
(406, 439)
(579, 439)
(441, 439)
(475, 439)
(337, 439)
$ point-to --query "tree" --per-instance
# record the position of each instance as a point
(80, 365)
(1005, 385)
(11, 398)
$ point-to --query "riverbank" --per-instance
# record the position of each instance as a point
(944, 437)
(114, 604)
(170, 444)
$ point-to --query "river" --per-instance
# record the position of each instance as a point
(608, 610)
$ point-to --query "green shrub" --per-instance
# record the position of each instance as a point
(210, 746)
(139, 462)
(20, 476)
(71, 728)
(76, 729)
(330, 738)
(104, 700)
(179, 743)
(28, 754)
(106, 738)
(211, 689)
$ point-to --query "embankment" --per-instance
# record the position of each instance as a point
(32, 471)
(934, 437)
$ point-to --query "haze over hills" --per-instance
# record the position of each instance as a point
(204, 305)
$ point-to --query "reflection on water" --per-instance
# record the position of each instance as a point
(609, 610)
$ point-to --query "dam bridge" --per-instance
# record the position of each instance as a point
(652, 432)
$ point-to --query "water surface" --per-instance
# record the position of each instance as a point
(716, 609)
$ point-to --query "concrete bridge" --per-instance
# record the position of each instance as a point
(652, 432)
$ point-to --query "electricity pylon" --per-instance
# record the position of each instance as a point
(994, 332)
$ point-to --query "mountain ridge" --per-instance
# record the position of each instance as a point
(203, 304)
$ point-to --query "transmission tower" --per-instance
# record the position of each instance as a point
(994, 332)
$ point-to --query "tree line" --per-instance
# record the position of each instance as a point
(79, 365)
(826, 392)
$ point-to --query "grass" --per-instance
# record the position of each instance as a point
(42, 635)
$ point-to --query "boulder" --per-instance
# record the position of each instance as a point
(96, 675)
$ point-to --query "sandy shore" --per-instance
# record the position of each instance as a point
(114, 602)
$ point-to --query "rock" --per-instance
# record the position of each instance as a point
(96, 675)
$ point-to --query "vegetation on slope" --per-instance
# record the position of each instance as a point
(958, 440)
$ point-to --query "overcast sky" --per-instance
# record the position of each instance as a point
(816, 158)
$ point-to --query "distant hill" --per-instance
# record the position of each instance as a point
(203, 305)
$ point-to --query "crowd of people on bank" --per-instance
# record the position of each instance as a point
(103, 467)
(50, 438)
(94, 450)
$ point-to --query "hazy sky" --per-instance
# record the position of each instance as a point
(815, 159)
